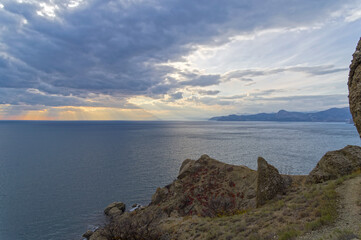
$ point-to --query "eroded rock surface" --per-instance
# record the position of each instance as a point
(203, 188)
(114, 208)
(207, 187)
(87, 234)
(354, 87)
(335, 164)
(269, 182)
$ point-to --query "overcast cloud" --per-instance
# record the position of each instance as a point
(121, 53)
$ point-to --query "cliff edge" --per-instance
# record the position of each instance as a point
(354, 87)
(208, 195)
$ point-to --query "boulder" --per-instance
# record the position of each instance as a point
(354, 87)
(335, 164)
(87, 234)
(269, 182)
(114, 208)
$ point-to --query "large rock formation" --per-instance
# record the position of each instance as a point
(335, 164)
(269, 182)
(207, 187)
(354, 87)
(203, 188)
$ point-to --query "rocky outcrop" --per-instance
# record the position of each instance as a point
(114, 209)
(354, 87)
(207, 187)
(203, 188)
(88, 234)
(335, 164)
(98, 235)
(269, 182)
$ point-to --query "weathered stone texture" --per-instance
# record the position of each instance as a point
(269, 182)
(335, 164)
(207, 187)
(114, 208)
(354, 87)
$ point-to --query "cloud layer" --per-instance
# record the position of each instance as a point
(104, 53)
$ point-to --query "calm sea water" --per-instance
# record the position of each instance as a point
(57, 177)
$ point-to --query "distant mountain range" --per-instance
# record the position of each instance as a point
(330, 115)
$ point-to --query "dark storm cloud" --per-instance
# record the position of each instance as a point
(117, 47)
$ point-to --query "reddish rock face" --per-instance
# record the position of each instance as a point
(207, 187)
(354, 87)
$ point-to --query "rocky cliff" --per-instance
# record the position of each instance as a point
(209, 189)
(354, 87)
(203, 188)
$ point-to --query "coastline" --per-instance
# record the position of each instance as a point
(214, 200)
(265, 191)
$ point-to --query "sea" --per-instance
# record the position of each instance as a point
(57, 177)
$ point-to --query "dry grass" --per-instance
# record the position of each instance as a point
(304, 208)
(340, 234)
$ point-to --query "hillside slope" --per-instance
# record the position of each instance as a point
(330, 115)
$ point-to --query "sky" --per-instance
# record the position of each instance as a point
(173, 59)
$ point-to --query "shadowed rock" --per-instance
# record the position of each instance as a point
(269, 182)
(354, 87)
(335, 164)
(114, 208)
(87, 234)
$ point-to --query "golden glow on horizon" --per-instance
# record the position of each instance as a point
(80, 113)
(149, 109)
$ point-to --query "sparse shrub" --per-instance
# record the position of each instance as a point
(344, 234)
(310, 226)
(288, 234)
(278, 205)
(254, 236)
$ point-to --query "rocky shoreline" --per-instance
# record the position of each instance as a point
(207, 188)
(209, 197)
